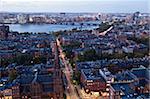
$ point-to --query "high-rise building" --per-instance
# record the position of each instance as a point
(22, 19)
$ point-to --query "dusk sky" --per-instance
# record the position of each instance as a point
(107, 6)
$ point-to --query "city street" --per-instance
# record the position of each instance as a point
(70, 88)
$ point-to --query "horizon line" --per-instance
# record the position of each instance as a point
(70, 12)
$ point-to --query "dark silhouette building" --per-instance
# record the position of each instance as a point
(4, 30)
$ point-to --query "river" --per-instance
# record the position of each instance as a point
(46, 27)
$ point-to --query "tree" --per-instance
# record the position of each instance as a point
(12, 75)
(65, 96)
(76, 78)
(144, 40)
(40, 59)
(138, 54)
(89, 55)
(22, 59)
(103, 27)
(4, 62)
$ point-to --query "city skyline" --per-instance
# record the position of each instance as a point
(107, 6)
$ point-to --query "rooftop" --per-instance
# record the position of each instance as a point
(124, 88)
(90, 74)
